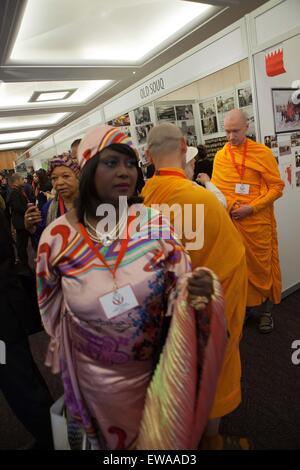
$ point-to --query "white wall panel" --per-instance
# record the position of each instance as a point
(78, 127)
(287, 208)
(219, 54)
(42, 146)
(276, 21)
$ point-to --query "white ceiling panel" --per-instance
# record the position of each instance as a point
(120, 31)
(35, 120)
(18, 95)
(16, 136)
(15, 145)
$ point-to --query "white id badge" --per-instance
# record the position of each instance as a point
(118, 301)
(242, 188)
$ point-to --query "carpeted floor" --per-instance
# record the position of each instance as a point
(270, 412)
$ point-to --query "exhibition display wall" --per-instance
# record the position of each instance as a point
(246, 65)
(278, 113)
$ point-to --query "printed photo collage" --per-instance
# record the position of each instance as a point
(122, 121)
(182, 116)
(286, 150)
(143, 125)
(213, 110)
(137, 130)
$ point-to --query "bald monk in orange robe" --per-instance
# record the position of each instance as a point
(222, 250)
(247, 174)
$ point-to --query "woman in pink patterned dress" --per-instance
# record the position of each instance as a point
(105, 299)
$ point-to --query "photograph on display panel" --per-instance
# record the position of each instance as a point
(286, 113)
(288, 178)
(142, 133)
(295, 139)
(271, 141)
(122, 120)
(209, 125)
(296, 153)
(286, 173)
(142, 155)
(297, 174)
(165, 113)
(225, 102)
(142, 115)
(189, 131)
(244, 96)
(184, 112)
(192, 140)
(284, 144)
(251, 122)
(208, 113)
(207, 108)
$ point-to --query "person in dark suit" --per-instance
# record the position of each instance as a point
(28, 188)
(17, 202)
(20, 380)
(4, 192)
(150, 170)
(3, 187)
(202, 164)
(42, 187)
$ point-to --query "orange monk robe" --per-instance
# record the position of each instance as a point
(258, 231)
(224, 253)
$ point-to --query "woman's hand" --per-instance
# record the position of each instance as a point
(32, 218)
(200, 289)
(203, 178)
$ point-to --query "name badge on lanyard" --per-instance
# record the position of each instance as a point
(242, 188)
(119, 301)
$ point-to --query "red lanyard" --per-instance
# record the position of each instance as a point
(122, 251)
(61, 206)
(242, 171)
(170, 173)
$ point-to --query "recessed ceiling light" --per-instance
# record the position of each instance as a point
(15, 136)
(53, 95)
(17, 94)
(15, 145)
(35, 120)
(62, 95)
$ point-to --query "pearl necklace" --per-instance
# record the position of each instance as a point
(106, 238)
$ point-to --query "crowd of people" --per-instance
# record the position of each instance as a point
(143, 284)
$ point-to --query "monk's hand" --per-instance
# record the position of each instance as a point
(203, 178)
(241, 213)
(200, 289)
